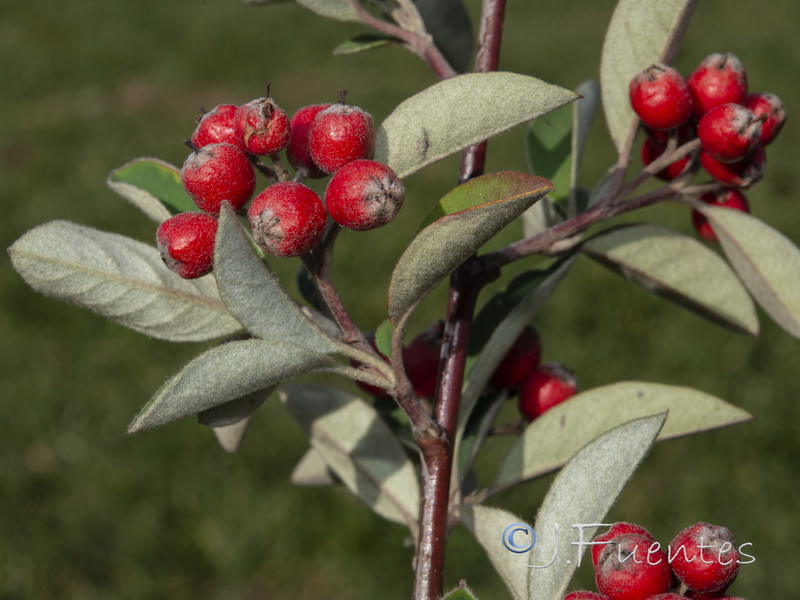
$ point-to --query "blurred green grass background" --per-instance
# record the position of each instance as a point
(87, 512)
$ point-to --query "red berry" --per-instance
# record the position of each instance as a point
(364, 194)
(719, 79)
(771, 106)
(728, 132)
(372, 390)
(704, 557)
(186, 243)
(522, 358)
(653, 149)
(660, 97)
(216, 127)
(632, 567)
(616, 530)
(728, 198)
(421, 360)
(585, 595)
(287, 219)
(341, 134)
(218, 172)
(741, 174)
(549, 384)
(262, 127)
(667, 596)
(298, 151)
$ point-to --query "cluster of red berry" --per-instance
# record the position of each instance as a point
(700, 563)
(712, 105)
(287, 218)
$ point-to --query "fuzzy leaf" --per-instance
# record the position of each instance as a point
(582, 493)
(582, 119)
(363, 42)
(383, 338)
(340, 10)
(640, 34)
(485, 206)
(230, 437)
(462, 592)
(551, 439)
(766, 260)
(224, 373)
(679, 268)
(254, 295)
(449, 23)
(539, 217)
(312, 470)
(153, 186)
(458, 112)
(121, 279)
(234, 411)
(549, 149)
(359, 447)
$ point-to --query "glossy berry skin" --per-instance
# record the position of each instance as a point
(216, 127)
(660, 97)
(522, 358)
(719, 79)
(705, 557)
(771, 108)
(668, 596)
(287, 219)
(341, 134)
(545, 387)
(186, 243)
(262, 127)
(616, 530)
(729, 132)
(653, 149)
(632, 567)
(585, 595)
(741, 174)
(728, 198)
(218, 172)
(421, 359)
(298, 151)
(364, 194)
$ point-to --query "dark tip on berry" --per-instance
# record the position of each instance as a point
(191, 145)
(203, 112)
(269, 85)
(342, 96)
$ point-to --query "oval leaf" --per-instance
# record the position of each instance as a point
(486, 205)
(548, 149)
(230, 437)
(640, 34)
(766, 260)
(312, 470)
(458, 112)
(449, 23)
(582, 119)
(679, 268)
(225, 373)
(552, 438)
(363, 42)
(341, 10)
(121, 279)
(153, 186)
(582, 493)
(359, 447)
(234, 411)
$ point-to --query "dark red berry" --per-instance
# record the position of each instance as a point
(741, 174)
(771, 108)
(341, 134)
(216, 127)
(364, 194)
(728, 198)
(545, 387)
(585, 595)
(632, 567)
(729, 132)
(262, 127)
(719, 79)
(421, 360)
(297, 151)
(704, 557)
(653, 149)
(522, 358)
(660, 97)
(186, 243)
(216, 173)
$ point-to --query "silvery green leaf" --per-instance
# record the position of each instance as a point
(341, 10)
(583, 115)
(230, 437)
(582, 493)
(235, 410)
(765, 259)
(121, 279)
(540, 217)
(431, 125)
(640, 34)
(449, 23)
(153, 186)
(312, 470)
(549, 441)
(364, 42)
(359, 447)
(224, 373)
(677, 267)
(253, 294)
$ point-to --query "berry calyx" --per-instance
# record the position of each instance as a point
(728, 198)
(660, 97)
(363, 195)
(742, 173)
(522, 358)
(653, 149)
(262, 127)
(545, 387)
(186, 243)
(218, 172)
(719, 79)
(298, 151)
(616, 530)
(728, 132)
(704, 557)
(341, 134)
(771, 109)
(287, 219)
(216, 127)
(421, 360)
(632, 567)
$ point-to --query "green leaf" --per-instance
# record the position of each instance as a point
(264, 2)
(224, 373)
(677, 267)
(477, 430)
(234, 411)
(383, 338)
(363, 42)
(462, 592)
(254, 295)
(485, 206)
(766, 260)
(640, 34)
(539, 217)
(582, 493)
(153, 186)
(551, 439)
(312, 470)
(449, 23)
(549, 149)
(340, 10)
(359, 447)
(582, 118)
(458, 112)
(121, 279)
